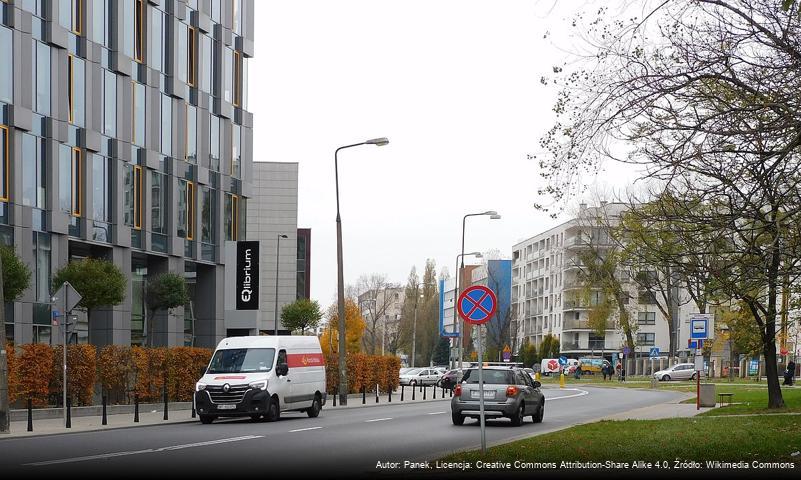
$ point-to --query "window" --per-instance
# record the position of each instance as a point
(192, 58)
(97, 33)
(65, 178)
(190, 140)
(231, 217)
(236, 10)
(228, 75)
(42, 74)
(101, 189)
(7, 60)
(166, 125)
(138, 124)
(158, 202)
(236, 149)
(128, 194)
(137, 197)
(139, 31)
(206, 214)
(110, 103)
(237, 79)
(646, 338)
(206, 64)
(216, 11)
(41, 256)
(4, 141)
(186, 209)
(190, 215)
(646, 318)
(76, 90)
(77, 16)
(156, 44)
(183, 60)
(129, 17)
(33, 171)
(214, 143)
(76, 196)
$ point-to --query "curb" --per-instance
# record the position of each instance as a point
(92, 429)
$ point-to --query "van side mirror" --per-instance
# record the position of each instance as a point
(537, 384)
(281, 369)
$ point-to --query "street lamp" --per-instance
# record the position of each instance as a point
(456, 294)
(343, 371)
(277, 249)
(493, 216)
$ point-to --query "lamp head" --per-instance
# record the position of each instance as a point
(283, 236)
(490, 212)
(380, 142)
(495, 217)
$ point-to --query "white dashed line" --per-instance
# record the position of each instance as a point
(305, 429)
(434, 413)
(377, 420)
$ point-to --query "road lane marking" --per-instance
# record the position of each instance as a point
(434, 413)
(305, 429)
(580, 394)
(377, 420)
(139, 452)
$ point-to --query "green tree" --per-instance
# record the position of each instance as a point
(442, 353)
(302, 314)
(528, 353)
(163, 292)
(549, 347)
(100, 282)
(16, 277)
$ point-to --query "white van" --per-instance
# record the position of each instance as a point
(261, 377)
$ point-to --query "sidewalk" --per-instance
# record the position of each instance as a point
(672, 409)
(149, 415)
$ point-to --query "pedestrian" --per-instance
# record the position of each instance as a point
(605, 370)
(789, 374)
(578, 372)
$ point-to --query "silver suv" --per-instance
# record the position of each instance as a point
(508, 392)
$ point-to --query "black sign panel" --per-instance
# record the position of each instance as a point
(247, 275)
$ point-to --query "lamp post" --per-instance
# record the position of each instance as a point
(277, 250)
(343, 371)
(456, 294)
(493, 216)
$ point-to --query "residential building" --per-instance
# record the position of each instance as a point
(125, 135)
(385, 305)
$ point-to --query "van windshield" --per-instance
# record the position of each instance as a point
(242, 360)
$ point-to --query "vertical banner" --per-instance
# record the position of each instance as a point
(247, 275)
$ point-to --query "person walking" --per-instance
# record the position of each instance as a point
(789, 374)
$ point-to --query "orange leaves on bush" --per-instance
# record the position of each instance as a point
(185, 365)
(34, 370)
(81, 372)
(13, 374)
(364, 371)
(114, 367)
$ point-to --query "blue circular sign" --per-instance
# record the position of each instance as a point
(477, 304)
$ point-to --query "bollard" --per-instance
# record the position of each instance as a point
(376, 393)
(434, 393)
(443, 392)
(425, 390)
(451, 394)
(364, 395)
(421, 388)
(414, 389)
(166, 416)
(69, 413)
(335, 398)
(403, 387)
(194, 412)
(537, 376)
(136, 408)
(30, 415)
(562, 380)
(104, 420)
(390, 394)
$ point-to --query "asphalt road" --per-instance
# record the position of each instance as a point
(348, 442)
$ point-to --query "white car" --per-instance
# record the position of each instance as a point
(421, 376)
(680, 371)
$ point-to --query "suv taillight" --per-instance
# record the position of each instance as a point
(511, 391)
(457, 391)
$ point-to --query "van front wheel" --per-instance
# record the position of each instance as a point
(314, 410)
(273, 412)
(206, 419)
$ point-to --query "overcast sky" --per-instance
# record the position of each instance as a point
(455, 87)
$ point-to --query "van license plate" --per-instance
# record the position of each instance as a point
(226, 407)
(487, 394)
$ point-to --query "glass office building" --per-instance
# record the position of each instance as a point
(125, 135)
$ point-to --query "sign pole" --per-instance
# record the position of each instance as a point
(64, 324)
(481, 390)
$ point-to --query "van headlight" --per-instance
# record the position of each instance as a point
(200, 386)
(260, 385)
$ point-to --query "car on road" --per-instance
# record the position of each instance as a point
(421, 376)
(508, 392)
(680, 371)
(449, 379)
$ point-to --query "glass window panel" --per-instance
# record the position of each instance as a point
(65, 178)
(77, 183)
(128, 195)
(237, 21)
(182, 213)
(42, 78)
(77, 16)
(128, 26)
(228, 73)
(41, 254)
(65, 13)
(236, 150)
(166, 125)
(139, 30)
(216, 9)
(214, 143)
(206, 63)
(139, 114)
(158, 202)
(77, 90)
(206, 213)
(97, 34)
(156, 43)
(110, 103)
(244, 82)
(229, 216)
(29, 6)
(29, 162)
(6, 59)
(191, 54)
(183, 34)
(191, 134)
(101, 172)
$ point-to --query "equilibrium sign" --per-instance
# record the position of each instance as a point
(247, 275)
(477, 304)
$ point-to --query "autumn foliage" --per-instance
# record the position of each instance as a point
(364, 371)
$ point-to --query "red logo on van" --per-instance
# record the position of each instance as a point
(305, 360)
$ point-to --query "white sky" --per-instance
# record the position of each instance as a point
(455, 87)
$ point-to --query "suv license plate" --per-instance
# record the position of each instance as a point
(487, 394)
(226, 407)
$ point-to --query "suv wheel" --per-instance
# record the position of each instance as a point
(457, 418)
(517, 418)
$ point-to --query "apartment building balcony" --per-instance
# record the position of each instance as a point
(575, 305)
(569, 346)
(572, 324)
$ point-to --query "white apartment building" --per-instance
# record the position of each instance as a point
(545, 288)
(387, 305)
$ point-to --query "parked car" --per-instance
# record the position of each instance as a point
(449, 379)
(680, 371)
(421, 376)
(406, 369)
(508, 392)
(531, 373)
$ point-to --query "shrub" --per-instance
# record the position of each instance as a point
(13, 374)
(363, 371)
(34, 371)
(149, 372)
(81, 373)
(184, 365)
(114, 371)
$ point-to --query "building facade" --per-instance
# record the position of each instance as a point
(382, 308)
(125, 135)
(549, 299)
(304, 264)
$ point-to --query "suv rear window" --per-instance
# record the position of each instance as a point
(497, 377)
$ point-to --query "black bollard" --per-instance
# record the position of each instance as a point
(390, 394)
(166, 416)
(364, 395)
(425, 390)
(414, 389)
(194, 412)
(434, 392)
(451, 393)
(443, 392)
(104, 421)
(335, 398)
(69, 413)
(421, 388)
(376, 394)
(30, 415)
(136, 408)
(403, 387)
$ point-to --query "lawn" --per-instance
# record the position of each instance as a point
(753, 400)
(760, 438)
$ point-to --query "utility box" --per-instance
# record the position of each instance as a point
(707, 395)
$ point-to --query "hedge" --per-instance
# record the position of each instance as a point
(364, 371)
(35, 371)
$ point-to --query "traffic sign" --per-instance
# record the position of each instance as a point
(66, 297)
(563, 360)
(702, 325)
(507, 353)
(626, 350)
(654, 352)
(783, 351)
(695, 343)
(477, 304)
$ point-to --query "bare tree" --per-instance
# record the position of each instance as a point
(377, 298)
